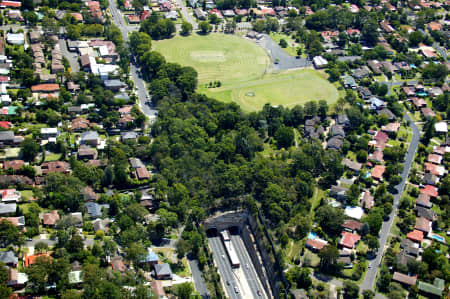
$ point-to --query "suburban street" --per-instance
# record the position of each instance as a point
(186, 15)
(223, 263)
(369, 279)
(141, 90)
(250, 272)
(199, 282)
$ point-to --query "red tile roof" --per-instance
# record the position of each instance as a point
(46, 87)
(349, 240)
(429, 190)
(14, 164)
(381, 136)
(415, 235)
(316, 244)
(142, 173)
(377, 171)
(433, 158)
(5, 124)
(50, 218)
(30, 260)
(11, 3)
(352, 224)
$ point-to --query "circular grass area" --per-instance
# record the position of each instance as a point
(216, 57)
(242, 68)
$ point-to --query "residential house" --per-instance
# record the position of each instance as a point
(430, 191)
(47, 133)
(55, 166)
(377, 172)
(158, 289)
(45, 88)
(10, 195)
(31, 259)
(151, 258)
(101, 224)
(342, 120)
(16, 221)
(375, 66)
(114, 85)
(349, 240)
(320, 62)
(86, 152)
(351, 225)
(16, 280)
(335, 142)
(434, 290)
(423, 225)
(7, 137)
(90, 138)
(367, 200)
(415, 236)
(404, 279)
(50, 219)
(13, 164)
(95, 210)
(7, 209)
(361, 73)
(162, 271)
(430, 179)
(127, 136)
(391, 127)
(376, 156)
(142, 173)
(354, 212)
(316, 244)
(352, 165)
(349, 82)
(424, 201)
(386, 26)
(434, 169)
(376, 104)
(425, 213)
(9, 258)
(385, 111)
(79, 124)
(118, 265)
(338, 192)
(89, 194)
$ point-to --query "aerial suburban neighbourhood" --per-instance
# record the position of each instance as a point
(224, 149)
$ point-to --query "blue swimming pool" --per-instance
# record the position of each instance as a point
(438, 238)
(312, 235)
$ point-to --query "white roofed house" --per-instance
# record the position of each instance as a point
(15, 38)
(320, 62)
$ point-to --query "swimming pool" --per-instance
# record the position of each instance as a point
(438, 238)
(312, 235)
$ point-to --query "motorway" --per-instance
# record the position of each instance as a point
(250, 272)
(369, 279)
(223, 263)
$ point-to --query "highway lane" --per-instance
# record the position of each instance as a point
(369, 279)
(250, 273)
(223, 263)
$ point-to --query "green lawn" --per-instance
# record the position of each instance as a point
(291, 49)
(288, 88)
(242, 67)
(222, 57)
(52, 157)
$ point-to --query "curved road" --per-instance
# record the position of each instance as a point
(369, 279)
(186, 15)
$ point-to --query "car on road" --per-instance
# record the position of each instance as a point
(228, 282)
(370, 265)
(258, 292)
(246, 266)
(236, 290)
(223, 256)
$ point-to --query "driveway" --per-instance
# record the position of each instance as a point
(71, 57)
(199, 282)
(276, 53)
(369, 279)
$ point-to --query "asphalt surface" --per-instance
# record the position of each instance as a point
(186, 15)
(199, 282)
(250, 272)
(71, 57)
(369, 279)
(285, 61)
(441, 51)
(223, 263)
(141, 90)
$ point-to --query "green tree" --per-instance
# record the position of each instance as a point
(328, 257)
(135, 253)
(186, 28)
(205, 27)
(283, 43)
(9, 233)
(29, 149)
(351, 290)
(368, 294)
(284, 137)
(330, 219)
(184, 290)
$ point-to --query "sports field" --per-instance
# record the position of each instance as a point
(243, 69)
(223, 57)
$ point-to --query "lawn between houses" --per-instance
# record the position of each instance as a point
(242, 68)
